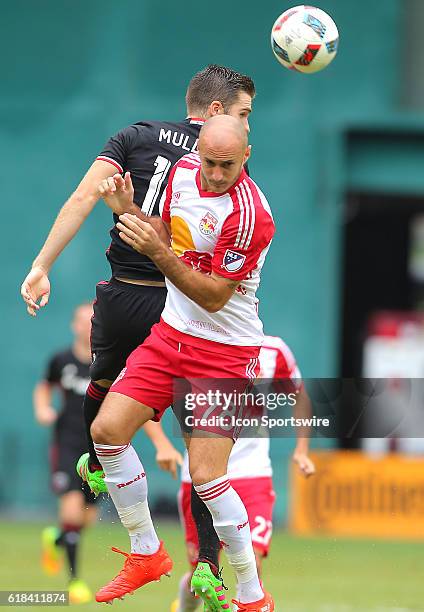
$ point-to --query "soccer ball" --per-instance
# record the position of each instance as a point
(304, 38)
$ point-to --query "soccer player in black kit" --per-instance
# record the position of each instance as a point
(131, 302)
(68, 373)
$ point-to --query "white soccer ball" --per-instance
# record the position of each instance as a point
(304, 38)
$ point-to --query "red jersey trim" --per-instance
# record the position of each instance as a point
(110, 161)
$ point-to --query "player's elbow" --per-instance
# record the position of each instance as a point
(211, 308)
(213, 305)
(83, 200)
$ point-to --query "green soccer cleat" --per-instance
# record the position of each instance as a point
(209, 588)
(95, 480)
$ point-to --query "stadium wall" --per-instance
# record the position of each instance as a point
(79, 73)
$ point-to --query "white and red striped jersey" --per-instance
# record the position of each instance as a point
(277, 361)
(250, 456)
(228, 234)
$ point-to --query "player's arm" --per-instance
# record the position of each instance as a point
(44, 412)
(210, 292)
(117, 192)
(72, 215)
(167, 456)
(303, 410)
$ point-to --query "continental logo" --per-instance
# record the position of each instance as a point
(363, 495)
(353, 494)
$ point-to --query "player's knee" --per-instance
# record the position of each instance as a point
(202, 474)
(104, 368)
(103, 432)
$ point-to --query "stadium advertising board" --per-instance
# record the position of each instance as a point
(354, 494)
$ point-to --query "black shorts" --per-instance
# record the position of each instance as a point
(123, 317)
(64, 454)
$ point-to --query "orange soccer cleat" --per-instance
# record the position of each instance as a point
(264, 605)
(138, 570)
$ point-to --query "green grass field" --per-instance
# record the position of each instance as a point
(304, 575)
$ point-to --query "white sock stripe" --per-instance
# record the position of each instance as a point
(109, 451)
(214, 489)
(208, 486)
(212, 483)
(206, 496)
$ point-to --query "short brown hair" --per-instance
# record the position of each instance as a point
(217, 83)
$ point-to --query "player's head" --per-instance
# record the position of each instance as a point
(223, 150)
(217, 90)
(81, 322)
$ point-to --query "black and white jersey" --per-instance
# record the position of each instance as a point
(71, 377)
(147, 150)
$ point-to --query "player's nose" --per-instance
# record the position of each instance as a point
(217, 175)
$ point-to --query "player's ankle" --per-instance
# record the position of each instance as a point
(214, 568)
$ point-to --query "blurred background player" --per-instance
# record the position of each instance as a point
(68, 373)
(250, 472)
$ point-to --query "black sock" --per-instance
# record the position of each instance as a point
(69, 540)
(92, 401)
(209, 545)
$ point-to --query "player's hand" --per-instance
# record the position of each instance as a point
(140, 235)
(118, 193)
(305, 464)
(168, 459)
(46, 416)
(36, 286)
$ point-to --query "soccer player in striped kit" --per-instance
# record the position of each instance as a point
(221, 228)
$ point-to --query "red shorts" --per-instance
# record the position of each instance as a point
(258, 496)
(167, 354)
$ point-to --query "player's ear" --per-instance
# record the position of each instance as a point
(247, 153)
(215, 108)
